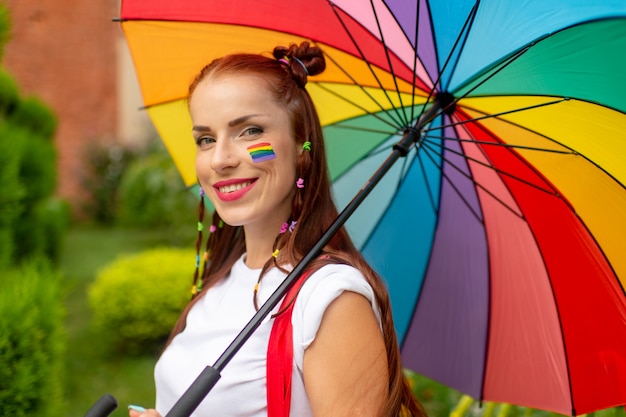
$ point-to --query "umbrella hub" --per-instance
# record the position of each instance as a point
(446, 102)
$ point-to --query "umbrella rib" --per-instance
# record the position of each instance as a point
(505, 145)
(373, 114)
(376, 151)
(369, 66)
(429, 190)
(501, 66)
(465, 29)
(490, 74)
(402, 115)
(469, 21)
(427, 149)
(478, 185)
(346, 73)
(363, 129)
(499, 171)
(494, 71)
(415, 57)
(497, 115)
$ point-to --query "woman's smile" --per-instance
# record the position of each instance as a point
(232, 190)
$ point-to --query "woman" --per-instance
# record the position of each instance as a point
(261, 162)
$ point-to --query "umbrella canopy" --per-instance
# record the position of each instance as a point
(501, 234)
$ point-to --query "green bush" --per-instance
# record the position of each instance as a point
(12, 192)
(38, 171)
(32, 221)
(152, 194)
(137, 299)
(32, 342)
(55, 216)
(38, 118)
(9, 92)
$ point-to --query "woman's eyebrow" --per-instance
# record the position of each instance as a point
(201, 128)
(242, 119)
(232, 123)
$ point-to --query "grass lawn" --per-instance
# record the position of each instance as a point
(91, 370)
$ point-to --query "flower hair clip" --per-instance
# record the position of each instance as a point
(286, 226)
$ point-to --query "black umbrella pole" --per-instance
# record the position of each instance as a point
(203, 384)
(103, 407)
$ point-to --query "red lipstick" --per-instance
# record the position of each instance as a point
(231, 190)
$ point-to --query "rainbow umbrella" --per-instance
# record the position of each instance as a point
(501, 232)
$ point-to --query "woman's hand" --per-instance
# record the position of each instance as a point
(345, 368)
(137, 411)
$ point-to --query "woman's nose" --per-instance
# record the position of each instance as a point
(224, 155)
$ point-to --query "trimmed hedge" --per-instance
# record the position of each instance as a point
(137, 299)
(32, 342)
(31, 218)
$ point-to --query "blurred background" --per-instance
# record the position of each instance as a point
(73, 57)
(93, 214)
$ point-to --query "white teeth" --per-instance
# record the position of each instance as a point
(234, 187)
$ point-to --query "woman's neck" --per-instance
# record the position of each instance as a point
(259, 245)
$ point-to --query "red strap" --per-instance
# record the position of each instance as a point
(280, 356)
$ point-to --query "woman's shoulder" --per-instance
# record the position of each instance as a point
(320, 289)
(327, 283)
(335, 274)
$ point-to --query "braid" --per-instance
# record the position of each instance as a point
(197, 283)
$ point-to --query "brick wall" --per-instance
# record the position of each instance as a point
(64, 52)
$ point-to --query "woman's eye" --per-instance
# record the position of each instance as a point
(204, 142)
(253, 131)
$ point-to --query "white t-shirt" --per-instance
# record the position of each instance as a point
(216, 319)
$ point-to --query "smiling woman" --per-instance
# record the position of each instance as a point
(259, 146)
(246, 159)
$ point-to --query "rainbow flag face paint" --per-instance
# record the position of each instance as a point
(261, 152)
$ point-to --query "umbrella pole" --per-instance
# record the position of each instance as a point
(203, 384)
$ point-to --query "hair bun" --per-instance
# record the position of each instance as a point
(302, 60)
